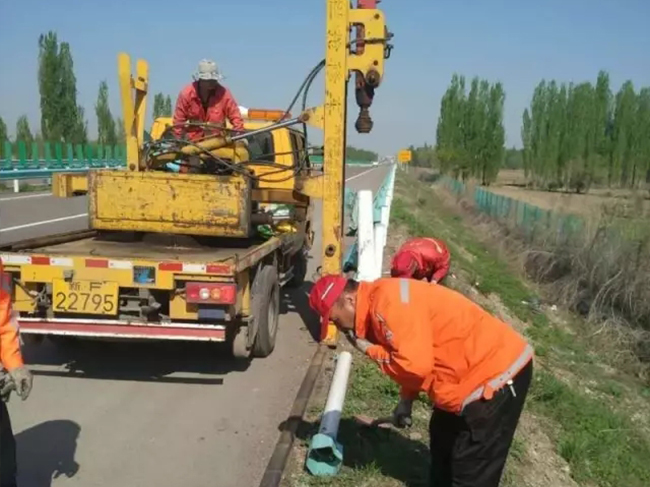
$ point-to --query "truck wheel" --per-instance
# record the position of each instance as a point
(299, 268)
(265, 307)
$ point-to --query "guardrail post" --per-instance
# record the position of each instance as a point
(325, 455)
(366, 261)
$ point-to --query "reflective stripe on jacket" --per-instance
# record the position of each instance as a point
(432, 256)
(435, 340)
(10, 356)
(221, 107)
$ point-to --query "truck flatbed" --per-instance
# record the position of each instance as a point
(151, 247)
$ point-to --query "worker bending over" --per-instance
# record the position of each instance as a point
(206, 100)
(421, 258)
(18, 378)
(475, 368)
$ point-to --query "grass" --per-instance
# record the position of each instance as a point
(598, 440)
(583, 411)
(372, 457)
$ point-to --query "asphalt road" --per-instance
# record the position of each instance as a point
(153, 414)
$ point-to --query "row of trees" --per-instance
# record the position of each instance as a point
(62, 118)
(578, 135)
(360, 154)
(470, 136)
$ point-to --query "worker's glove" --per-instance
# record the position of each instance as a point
(402, 413)
(22, 379)
(6, 386)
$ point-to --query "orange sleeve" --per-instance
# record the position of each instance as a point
(409, 359)
(232, 112)
(10, 355)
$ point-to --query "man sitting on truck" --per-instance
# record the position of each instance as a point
(206, 100)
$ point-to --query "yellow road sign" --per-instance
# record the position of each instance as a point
(404, 156)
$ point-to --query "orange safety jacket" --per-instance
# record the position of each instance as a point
(10, 356)
(435, 340)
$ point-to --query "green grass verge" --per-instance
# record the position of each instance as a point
(600, 444)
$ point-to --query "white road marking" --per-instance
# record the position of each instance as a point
(81, 215)
(360, 174)
(44, 222)
(14, 198)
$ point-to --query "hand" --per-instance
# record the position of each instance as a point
(22, 379)
(6, 386)
(359, 343)
(402, 413)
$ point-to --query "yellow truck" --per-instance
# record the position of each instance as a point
(138, 284)
(179, 255)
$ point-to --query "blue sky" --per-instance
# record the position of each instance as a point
(266, 47)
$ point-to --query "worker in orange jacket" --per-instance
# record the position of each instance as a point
(421, 258)
(17, 378)
(475, 368)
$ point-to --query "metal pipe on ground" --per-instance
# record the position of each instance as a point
(325, 455)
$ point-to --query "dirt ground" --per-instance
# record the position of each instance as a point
(621, 202)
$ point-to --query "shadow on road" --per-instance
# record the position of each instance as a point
(394, 454)
(296, 300)
(135, 361)
(47, 451)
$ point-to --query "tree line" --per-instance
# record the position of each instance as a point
(62, 118)
(470, 136)
(577, 135)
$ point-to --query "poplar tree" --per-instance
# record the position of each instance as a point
(61, 118)
(106, 133)
(168, 106)
(23, 132)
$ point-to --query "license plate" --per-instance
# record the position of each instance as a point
(87, 297)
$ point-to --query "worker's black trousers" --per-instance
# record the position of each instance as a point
(7, 449)
(471, 449)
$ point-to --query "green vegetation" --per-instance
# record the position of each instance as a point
(470, 135)
(62, 120)
(584, 411)
(106, 131)
(162, 106)
(360, 154)
(578, 135)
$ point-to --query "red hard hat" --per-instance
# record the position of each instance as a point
(322, 297)
(404, 265)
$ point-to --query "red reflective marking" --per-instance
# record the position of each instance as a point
(170, 266)
(97, 263)
(38, 260)
(218, 269)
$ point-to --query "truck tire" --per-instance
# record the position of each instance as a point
(265, 308)
(299, 268)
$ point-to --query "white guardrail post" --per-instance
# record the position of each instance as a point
(365, 236)
(325, 455)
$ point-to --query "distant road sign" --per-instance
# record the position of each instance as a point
(404, 156)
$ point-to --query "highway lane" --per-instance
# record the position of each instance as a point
(159, 414)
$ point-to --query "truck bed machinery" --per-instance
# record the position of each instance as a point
(178, 255)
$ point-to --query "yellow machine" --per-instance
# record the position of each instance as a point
(135, 268)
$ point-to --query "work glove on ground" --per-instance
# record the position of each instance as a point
(22, 379)
(402, 413)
